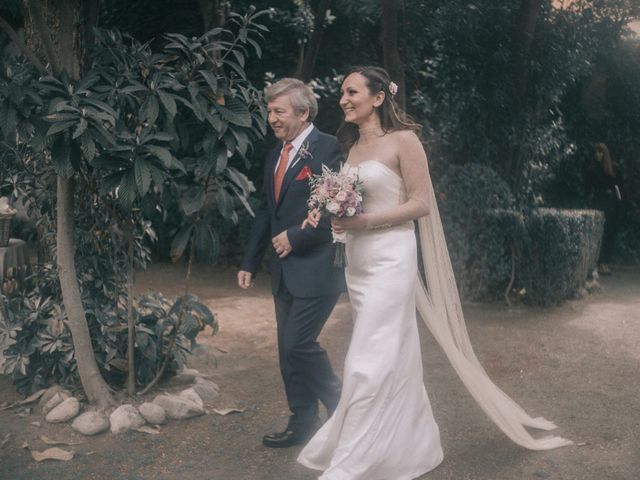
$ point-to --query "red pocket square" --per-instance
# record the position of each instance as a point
(304, 174)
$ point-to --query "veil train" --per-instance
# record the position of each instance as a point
(438, 304)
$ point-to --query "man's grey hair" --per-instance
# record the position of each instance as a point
(300, 94)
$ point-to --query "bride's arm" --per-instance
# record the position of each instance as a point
(415, 176)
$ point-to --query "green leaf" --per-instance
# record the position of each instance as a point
(180, 242)
(162, 153)
(168, 103)
(149, 110)
(193, 199)
(241, 180)
(234, 111)
(143, 175)
(127, 190)
(82, 126)
(101, 105)
(210, 79)
(60, 126)
(256, 47)
(221, 160)
(88, 147)
(207, 246)
(238, 69)
(242, 140)
(224, 202)
(239, 57)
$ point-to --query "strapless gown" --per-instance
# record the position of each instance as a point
(383, 427)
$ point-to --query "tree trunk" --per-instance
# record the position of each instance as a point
(213, 13)
(390, 50)
(309, 60)
(131, 321)
(523, 35)
(64, 53)
(94, 385)
(522, 39)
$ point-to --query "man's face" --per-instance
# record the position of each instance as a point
(284, 120)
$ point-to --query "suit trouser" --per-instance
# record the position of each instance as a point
(304, 364)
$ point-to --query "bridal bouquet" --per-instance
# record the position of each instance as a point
(338, 194)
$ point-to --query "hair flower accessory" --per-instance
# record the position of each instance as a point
(393, 88)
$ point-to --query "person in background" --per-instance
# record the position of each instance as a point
(604, 191)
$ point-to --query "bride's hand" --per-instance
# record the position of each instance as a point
(343, 224)
(313, 218)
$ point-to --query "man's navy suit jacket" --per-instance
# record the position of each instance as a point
(308, 270)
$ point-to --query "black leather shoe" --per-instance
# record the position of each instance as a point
(288, 438)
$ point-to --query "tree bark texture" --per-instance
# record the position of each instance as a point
(522, 39)
(309, 60)
(523, 35)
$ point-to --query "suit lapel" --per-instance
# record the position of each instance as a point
(297, 164)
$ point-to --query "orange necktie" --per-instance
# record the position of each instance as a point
(278, 177)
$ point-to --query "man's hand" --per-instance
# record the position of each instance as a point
(245, 279)
(281, 244)
(313, 219)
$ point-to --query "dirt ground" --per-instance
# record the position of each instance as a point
(576, 364)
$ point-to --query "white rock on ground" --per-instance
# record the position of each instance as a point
(152, 413)
(64, 412)
(191, 395)
(185, 376)
(54, 401)
(206, 389)
(91, 423)
(45, 403)
(124, 418)
(178, 407)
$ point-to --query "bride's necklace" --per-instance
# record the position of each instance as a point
(366, 134)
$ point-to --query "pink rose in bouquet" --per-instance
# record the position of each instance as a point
(338, 194)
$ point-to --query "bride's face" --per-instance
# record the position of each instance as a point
(357, 101)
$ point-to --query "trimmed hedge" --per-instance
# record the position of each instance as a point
(561, 250)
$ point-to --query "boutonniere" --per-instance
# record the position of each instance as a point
(305, 173)
(303, 153)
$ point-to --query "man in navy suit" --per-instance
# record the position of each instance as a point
(304, 282)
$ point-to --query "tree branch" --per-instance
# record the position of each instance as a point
(15, 38)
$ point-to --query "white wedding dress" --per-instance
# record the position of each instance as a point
(383, 427)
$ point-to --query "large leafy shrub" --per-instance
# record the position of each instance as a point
(143, 131)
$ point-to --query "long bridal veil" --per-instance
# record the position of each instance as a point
(438, 304)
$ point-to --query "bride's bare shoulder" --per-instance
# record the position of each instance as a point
(402, 136)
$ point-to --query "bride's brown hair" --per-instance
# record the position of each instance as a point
(392, 117)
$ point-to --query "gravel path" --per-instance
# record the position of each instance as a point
(576, 364)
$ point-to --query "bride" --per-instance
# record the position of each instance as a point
(383, 427)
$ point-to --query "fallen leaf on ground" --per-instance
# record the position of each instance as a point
(32, 398)
(146, 429)
(35, 424)
(6, 439)
(227, 411)
(52, 454)
(49, 441)
(25, 445)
